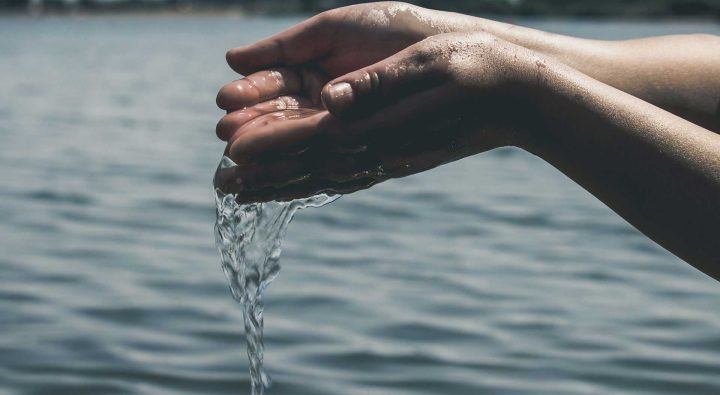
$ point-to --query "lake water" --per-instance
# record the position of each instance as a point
(493, 275)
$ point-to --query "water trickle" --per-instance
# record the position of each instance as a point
(249, 238)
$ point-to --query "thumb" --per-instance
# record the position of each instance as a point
(375, 86)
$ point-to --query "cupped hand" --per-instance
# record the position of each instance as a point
(345, 39)
(289, 69)
(444, 98)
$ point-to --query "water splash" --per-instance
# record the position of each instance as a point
(249, 238)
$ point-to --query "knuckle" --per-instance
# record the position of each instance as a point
(428, 56)
(369, 81)
(421, 56)
(428, 51)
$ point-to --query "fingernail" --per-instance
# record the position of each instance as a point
(340, 97)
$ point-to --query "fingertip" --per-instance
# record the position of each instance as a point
(230, 57)
(248, 59)
(240, 152)
(241, 160)
(234, 58)
(236, 95)
(220, 99)
(230, 126)
(219, 130)
(338, 97)
(225, 128)
(238, 179)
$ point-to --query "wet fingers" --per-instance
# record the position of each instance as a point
(233, 121)
(269, 84)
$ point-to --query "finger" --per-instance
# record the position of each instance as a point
(277, 132)
(259, 87)
(307, 188)
(332, 172)
(324, 165)
(363, 91)
(250, 186)
(299, 44)
(233, 121)
(246, 178)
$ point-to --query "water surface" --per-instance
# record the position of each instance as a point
(491, 275)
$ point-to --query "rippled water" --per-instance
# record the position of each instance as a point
(491, 275)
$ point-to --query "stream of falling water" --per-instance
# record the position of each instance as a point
(249, 238)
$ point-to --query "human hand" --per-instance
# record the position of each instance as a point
(347, 38)
(287, 71)
(444, 98)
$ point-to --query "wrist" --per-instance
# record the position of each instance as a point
(546, 89)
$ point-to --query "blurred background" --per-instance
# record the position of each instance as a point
(642, 8)
(492, 275)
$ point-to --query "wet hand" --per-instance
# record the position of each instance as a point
(345, 39)
(288, 71)
(444, 98)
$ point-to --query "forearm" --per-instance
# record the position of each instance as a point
(658, 171)
(680, 74)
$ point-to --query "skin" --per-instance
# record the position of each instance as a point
(366, 93)
(677, 73)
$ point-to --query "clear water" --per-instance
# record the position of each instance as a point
(249, 238)
(492, 275)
